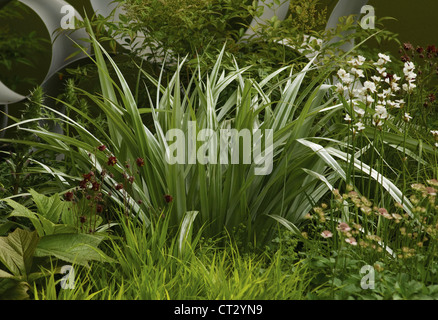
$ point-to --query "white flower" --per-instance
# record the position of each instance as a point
(369, 100)
(395, 78)
(410, 76)
(357, 72)
(376, 79)
(395, 87)
(381, 95)
(359, 126)
(368, 85)
(393, 104)
(400, 102)
(341, 73)
(347, 118)
(340, 88)
(434, 133)
(380, 62)
(356, 62)
(409, 87)
(408, 67)
(359, 112)
(381, 112)
(381, 71)
(388, 92)
(361, 59)
(384, 57)
(345, 77)
(377, 121)
(353, 102)
(407, 117)
(358, 93)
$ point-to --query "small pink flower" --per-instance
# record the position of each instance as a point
(431, 191)
(344, 227)
(351, 241)
(326, 234)
(383, 212)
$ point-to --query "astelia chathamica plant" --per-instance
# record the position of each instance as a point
(225, 195)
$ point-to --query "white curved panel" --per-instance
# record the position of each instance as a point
(50, 13)
(62, 46)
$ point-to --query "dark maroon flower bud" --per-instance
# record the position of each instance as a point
(119, 186)
(168, 198)
(88, 197)
(88, 176)
(405, 58)
(408, 46)
(99, 208)
(101, 148)
(131, 179)
(431, 49)
(140, 162)
(112, 161)
(83, 184)
(389, 76)
(82, 219)
(96, 186)
(420, 49)
(68, 196)
(431, 97)
(140, 201)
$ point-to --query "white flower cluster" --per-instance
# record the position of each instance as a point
(378, 92)
(410, 77)
(435, 135)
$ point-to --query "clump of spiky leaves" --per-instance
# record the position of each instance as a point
(151, 266)
(135, 157)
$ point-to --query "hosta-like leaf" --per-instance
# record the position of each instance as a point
(17, 251)
(73, 248)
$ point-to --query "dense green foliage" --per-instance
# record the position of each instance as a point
(353, 180)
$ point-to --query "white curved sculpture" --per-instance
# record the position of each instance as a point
(62, 47)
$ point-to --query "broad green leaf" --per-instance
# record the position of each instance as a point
(42, 225)
(17, 251)
(49, 207)
(13, 290)
(72, 248)
(4, 274)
